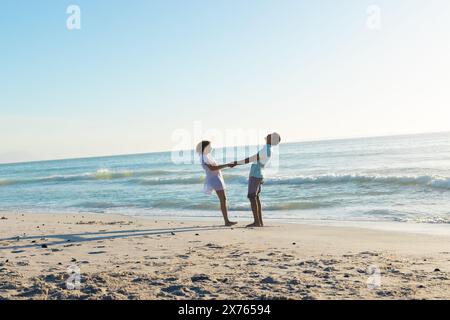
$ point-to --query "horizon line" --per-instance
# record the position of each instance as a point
(324, 139)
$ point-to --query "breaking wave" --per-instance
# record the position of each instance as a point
(426, 181)
(166, 177)
(101, 174)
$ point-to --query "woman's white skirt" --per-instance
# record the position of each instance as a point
(215, 183)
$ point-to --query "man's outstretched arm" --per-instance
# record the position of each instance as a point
(248, 160)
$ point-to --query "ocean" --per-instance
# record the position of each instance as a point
(404, 179)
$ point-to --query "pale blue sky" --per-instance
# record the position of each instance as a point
(139, 70)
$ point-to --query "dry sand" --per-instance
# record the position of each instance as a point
(126, 258)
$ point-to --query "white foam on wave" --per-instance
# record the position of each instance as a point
(429, 181)
(213, 206)
(167, 177)
(100, 174)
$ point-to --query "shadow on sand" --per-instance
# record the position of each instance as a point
(73, 238)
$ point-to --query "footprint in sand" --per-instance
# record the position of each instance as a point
(309, 271)
(329, 269)
(199, 291)
(171, 279)
(175, 290)
(200, 278)
(213, 246)
(96, 252)
(269, 280)
(368, 253)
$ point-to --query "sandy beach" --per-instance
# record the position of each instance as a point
(121, 257)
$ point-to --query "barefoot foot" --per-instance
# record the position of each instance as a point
(253, 225)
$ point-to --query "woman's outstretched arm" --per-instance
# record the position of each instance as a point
(223, 166)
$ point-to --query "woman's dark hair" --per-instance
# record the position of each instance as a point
(202, 146)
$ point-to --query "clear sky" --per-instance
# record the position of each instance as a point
(139, 70)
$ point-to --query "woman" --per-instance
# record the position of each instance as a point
(214, 179)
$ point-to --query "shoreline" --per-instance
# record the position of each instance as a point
(425, 228)
(123, 257)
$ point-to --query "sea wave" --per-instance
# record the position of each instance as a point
(433, 220)
(96, 205)
(428, 181)
(171, 177)
(101, 174)
(204, 206)
(198, 179)
(5, 182)
(425, 181)
(168, 181)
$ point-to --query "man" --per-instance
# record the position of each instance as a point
(256, 178)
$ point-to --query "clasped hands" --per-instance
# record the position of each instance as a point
(232, 164)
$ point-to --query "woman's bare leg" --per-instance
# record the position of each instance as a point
(223, 207)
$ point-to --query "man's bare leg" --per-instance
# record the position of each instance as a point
(260, 219)
(254, 205)
(223, 208)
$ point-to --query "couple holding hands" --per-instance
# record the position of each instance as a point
(214, 179)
